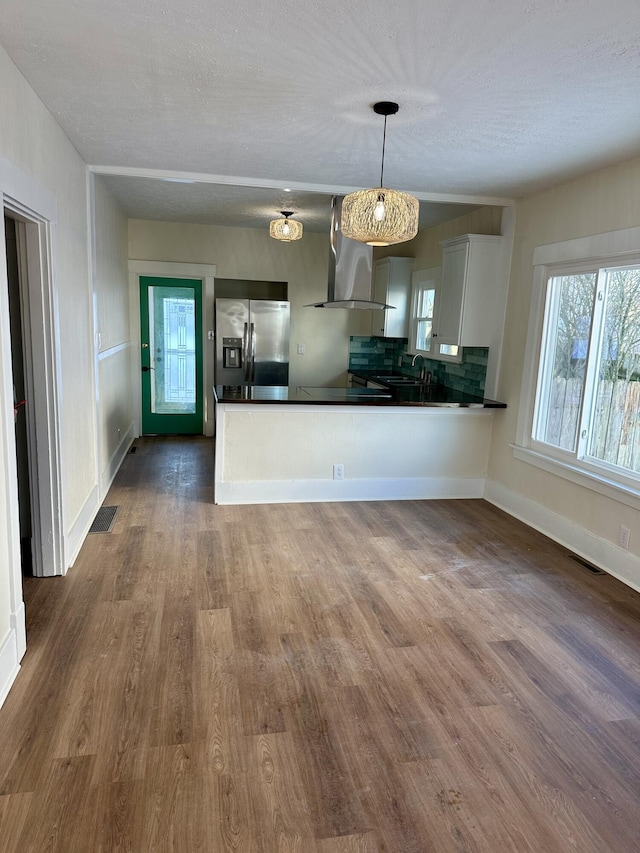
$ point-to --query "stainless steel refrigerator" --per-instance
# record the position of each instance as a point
(252, 342)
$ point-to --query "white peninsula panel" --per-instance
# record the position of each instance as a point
(270, 453)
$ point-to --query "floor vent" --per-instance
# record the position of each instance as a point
(587, 565)
(133, 449)
(103, 522)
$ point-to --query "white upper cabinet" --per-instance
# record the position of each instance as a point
(392, 285)
(472, 298)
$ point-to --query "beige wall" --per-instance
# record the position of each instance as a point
(31, 140)
(252, 254)
(111, 287)
(37, 162)
(606, 200)
(425, 247)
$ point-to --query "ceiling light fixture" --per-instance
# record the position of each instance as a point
(285, 229)
(380, 217)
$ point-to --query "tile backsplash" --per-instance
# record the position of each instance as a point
(371, 353)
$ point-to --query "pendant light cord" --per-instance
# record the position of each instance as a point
(384, 141)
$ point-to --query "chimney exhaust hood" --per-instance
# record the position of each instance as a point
(350, 268)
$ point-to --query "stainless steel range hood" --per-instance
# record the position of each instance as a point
(350, 267)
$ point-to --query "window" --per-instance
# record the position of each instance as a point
(584, 377)
(423, 333)
(450, 350)
(424, 300)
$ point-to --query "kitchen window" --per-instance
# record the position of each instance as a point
(424, 301)
(582, 418)
(423, 332)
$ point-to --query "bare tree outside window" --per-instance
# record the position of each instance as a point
(615, 433)
(570, 325)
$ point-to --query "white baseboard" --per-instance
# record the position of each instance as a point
(78, 533)
(18, 623)
(109, 473)
(607, 556)
(311, 491)
(9, 663)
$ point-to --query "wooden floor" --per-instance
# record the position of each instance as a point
(320, 678)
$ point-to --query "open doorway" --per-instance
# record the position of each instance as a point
(29, 352)
(19, 394)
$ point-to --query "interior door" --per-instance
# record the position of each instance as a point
(171, 357)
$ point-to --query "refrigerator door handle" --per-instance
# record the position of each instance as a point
(253, 353)
(246, 355)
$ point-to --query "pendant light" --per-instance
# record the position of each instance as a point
(380, 217)
(285, 229)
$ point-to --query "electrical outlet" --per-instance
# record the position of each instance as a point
(338, 472)
(300, 349)
(624, 535)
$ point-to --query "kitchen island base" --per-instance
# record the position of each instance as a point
(268, 453)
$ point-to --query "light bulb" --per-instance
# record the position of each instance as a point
(286, 229)
(379, 211)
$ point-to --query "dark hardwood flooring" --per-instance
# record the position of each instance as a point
(320, 678)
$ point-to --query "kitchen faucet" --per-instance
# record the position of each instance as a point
(425, 376)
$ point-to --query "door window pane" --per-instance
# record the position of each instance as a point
(561, 387)
(172, 331)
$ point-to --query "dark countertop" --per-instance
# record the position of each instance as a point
(435, 396)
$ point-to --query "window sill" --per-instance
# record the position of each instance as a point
(587, 479)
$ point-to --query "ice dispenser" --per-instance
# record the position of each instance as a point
(232, 352)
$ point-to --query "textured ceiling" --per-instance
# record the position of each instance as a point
(497, 97)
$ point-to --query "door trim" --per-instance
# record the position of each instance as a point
(166, 269)
(36, 211)
(41, 349)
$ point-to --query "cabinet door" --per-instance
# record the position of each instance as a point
(380, 284)
(392, 285)
(454, 273)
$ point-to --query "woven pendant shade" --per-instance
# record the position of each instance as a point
(285, 229)
(380, 217)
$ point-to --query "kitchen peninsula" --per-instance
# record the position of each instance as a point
(296, 444)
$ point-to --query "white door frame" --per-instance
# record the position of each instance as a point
(166, 269)
(35, 211)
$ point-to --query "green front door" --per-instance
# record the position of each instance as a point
(171, 337)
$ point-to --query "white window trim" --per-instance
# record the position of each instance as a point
(614, 247)
(422, 280)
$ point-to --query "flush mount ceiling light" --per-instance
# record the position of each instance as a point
(285, 229)
(380, 217)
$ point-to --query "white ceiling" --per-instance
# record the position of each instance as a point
(497, 97)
